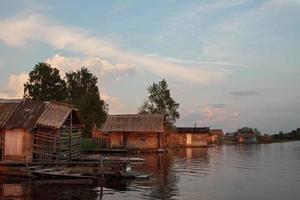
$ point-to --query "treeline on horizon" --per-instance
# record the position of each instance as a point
(293, 135)
(266, 138)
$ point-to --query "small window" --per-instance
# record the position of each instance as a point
(142, 139)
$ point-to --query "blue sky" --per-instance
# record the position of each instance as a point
(229, 63)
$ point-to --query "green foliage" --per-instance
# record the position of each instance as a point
(89, 143)
(45, 84)
(246, 130)
(160, 101)
(83, 92)
(293, 135)
(79, 89)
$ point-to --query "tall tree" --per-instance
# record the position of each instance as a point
(83, 92)
(45, 84)
(159, 100)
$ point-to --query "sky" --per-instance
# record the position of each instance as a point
(228, 63)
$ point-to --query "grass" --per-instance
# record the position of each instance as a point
(89, 143)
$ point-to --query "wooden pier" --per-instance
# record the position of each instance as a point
(87, 167)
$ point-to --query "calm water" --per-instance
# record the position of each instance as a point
(270, 171)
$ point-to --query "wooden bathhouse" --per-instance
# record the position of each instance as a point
(189, 137)
(216, 135)
(33, 131)
(135, 131)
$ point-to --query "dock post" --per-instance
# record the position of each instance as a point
(101, 170)
(27, 166)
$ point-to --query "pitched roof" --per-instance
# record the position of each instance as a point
(55, 114)
(216, 131)
(6, 111)
(197, 130)
(26, 114)
(141, 123)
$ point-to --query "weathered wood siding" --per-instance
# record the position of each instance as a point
(176, 139)
(132, 140)
(188, 139)
(142, 140)
(1, 144)
(116, 140)
(100, 138)
(198, 140)
(17, 145)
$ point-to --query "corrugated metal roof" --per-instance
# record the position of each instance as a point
(199, 130)
(134, 123)
(54, 115)
(6, 111)
(26, 114)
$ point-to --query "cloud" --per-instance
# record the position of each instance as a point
(218, 105)
(7, 94)
(239, 94)
(22, 30)
(15, 88)
(115, 105)
(208, 115)
(286, 2)
(99, 66)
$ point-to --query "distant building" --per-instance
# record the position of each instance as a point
(243, 135)
(134, 131)
(230, 138)
(189, 137)
(246, 138)
(38, 131)
(216, 135)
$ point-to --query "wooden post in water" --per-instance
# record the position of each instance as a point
(102, 175)
(70, 135)
(100, 167)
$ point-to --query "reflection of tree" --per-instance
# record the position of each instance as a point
(164, 181)
(166, 169)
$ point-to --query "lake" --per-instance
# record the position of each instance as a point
(235, 172)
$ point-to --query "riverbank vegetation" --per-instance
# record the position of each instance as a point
(293, 135)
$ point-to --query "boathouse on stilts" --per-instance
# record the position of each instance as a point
(35, 131)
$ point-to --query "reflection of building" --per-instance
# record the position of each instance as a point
(15, 191)
(38, 131)
(190, 137)
(135, 131)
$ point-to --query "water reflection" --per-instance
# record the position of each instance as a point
(224, 172)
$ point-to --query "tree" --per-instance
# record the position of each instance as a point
(45, 84)
(160, 101)
(83, 92)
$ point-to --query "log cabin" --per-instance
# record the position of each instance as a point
(135, 131)
(35, 131)
(190, 137)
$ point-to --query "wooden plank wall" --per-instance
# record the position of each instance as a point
(142, 140)
(57, 144)
(17, 145)
(116, 140)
